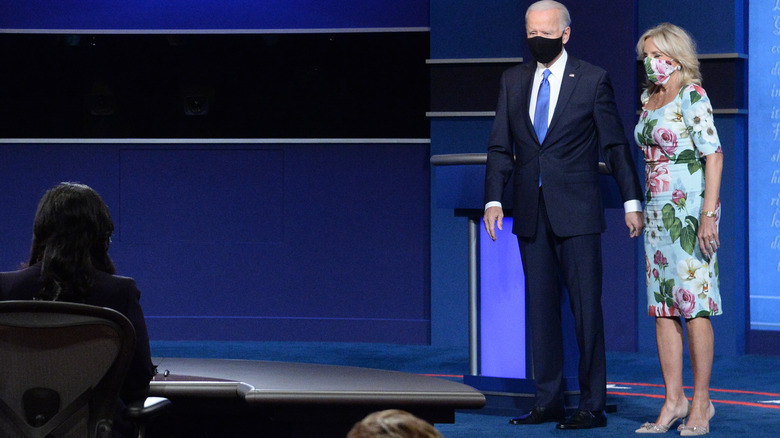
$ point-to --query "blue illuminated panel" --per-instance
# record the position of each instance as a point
(502, 305)
(267, 15)
(764, 165)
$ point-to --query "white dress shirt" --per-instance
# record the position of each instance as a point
(555, 79)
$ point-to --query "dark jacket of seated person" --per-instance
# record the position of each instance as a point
(71, 236)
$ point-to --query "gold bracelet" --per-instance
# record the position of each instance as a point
(708, 213)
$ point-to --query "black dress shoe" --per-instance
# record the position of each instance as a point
(583, 419)
(540, 415)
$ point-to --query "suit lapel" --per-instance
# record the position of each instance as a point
(528, 80)
(568, 84)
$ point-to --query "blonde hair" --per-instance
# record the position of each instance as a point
(393, 423)
(544, 5)
(676, 43)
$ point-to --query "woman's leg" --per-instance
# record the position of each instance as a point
(701, 343)
(669, 337)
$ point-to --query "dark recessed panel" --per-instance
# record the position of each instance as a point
(361, 85)
(465, 87)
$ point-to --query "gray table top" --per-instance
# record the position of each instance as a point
(265, 382)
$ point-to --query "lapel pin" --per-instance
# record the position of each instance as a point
(571, 75)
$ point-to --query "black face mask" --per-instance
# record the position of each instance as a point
(545, 50)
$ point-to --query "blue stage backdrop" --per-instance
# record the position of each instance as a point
(764, 156)
(204, 15)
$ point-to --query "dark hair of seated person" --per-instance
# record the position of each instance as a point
(71, 236)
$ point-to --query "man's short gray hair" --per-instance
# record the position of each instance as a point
(544, 5)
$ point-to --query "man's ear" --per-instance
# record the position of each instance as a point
(566, 33)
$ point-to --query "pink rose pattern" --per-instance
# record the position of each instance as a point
(698, 90)
(674, 188)
(679, 197)
(713, 306)
(658, 179)
(684, 301)
(666, 139)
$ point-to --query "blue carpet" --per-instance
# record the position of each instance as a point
(746, 389)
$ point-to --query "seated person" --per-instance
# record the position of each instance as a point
(69, 262)
(393, 423)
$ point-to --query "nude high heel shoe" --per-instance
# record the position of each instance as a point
(686, 430)
(663, 428)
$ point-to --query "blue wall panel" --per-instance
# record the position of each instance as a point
(715, 25)
(476, 29)
(449, 234)
(208, 14)
(300, 242)
(228, 184)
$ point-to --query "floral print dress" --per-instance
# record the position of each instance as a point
(681, 281)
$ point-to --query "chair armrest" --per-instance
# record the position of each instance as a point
(146, 409)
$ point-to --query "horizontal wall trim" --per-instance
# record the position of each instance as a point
(214, 31)
(723, 56)
(460, 114)
(458, 159)
(303, 318)
(214, 140)
(722, 111)
(474, 61)
(479, 158)
(730, 111)
(715, 56)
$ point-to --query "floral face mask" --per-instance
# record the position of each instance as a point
(659, 70)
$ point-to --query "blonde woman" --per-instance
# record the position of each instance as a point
(684, 162)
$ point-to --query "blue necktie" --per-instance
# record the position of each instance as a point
(542, 107)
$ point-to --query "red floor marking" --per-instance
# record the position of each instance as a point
(634, 394)
(735, 391)
(725, 402)
(655, 385)
(741, 403)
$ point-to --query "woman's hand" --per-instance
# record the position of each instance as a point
(708, 235)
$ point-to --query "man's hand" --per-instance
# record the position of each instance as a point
(635, 221)
(493, 215)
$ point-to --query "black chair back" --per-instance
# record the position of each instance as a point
(61, 368)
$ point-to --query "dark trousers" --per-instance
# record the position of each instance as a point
(547, 259)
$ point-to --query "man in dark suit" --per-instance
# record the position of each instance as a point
(554, 118)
